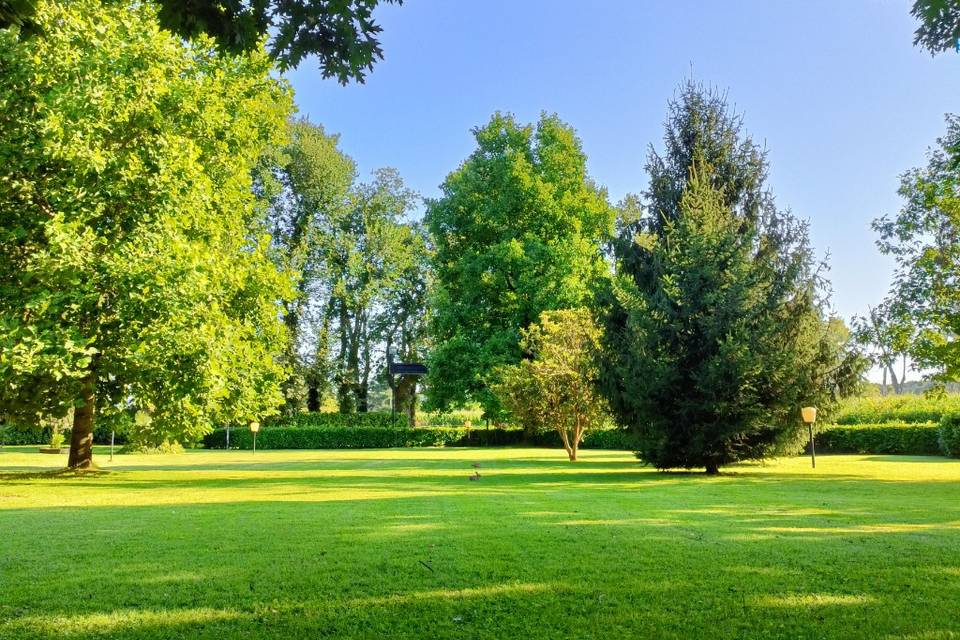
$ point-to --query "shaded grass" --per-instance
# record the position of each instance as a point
(400, 544)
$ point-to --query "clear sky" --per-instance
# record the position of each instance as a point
(835, 88)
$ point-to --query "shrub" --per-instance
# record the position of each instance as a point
(455, 418)
(165, 447)
(903, 438)
(904, 408)
(949, 434)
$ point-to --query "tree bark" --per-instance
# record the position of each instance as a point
(81, 439)
(313, 397)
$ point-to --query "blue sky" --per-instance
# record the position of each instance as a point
(837, 91)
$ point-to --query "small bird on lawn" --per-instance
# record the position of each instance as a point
(475, 465)
(475, 476)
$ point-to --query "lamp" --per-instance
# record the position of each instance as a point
(809, 415)
(254, 428)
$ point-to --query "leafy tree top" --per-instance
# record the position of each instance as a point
(130, 269)
(939, 28)
(518, 230)
(341, 33)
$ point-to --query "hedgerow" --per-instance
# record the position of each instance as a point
(902, 408)
(278, 437)
(21, 435)
(382, 419)
(901, 438)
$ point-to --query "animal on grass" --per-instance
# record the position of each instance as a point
(475, 476)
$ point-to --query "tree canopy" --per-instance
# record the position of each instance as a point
(343, 34)
(131, 273)
(305, 184)
(939, 28)
(518, 230)
(922, 308)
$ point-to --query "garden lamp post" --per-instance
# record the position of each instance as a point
(254, 428)
(809, 415)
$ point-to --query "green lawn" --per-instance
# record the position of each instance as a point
(400, 544)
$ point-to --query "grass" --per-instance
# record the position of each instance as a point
(400, 544)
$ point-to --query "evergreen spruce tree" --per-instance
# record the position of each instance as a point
(715, 330)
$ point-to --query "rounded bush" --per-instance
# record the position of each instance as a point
(950, 434)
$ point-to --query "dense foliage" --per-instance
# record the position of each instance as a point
(949, 434)
(924, 302)
(341, 33)
(303, 184)
(518, 230)
(554, 386)
(129, 271)
(715, 334)
(904, 408)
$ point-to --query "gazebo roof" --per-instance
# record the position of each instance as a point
(407, 369)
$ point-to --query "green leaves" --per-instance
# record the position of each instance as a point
(128, 250)
(920, 316)
(519, 230)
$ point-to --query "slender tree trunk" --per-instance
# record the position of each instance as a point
(81, 440)
(412, 406)
(565, 437)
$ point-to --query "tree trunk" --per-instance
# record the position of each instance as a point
(81, 440)
(571, 450)
(313, 398)
(712, 469)
(361, 394)
(412, 404)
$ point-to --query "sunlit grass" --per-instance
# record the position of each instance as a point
(401, 544)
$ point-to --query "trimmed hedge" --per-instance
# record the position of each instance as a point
(381, 419)
(17, 435)
(903, 438)
(904, 408)
(378, 438)
(358, 438)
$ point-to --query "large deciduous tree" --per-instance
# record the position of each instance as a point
(519, 229)
(129, 271)
(305, 184)
(714, 332)
(924, 304)
(369, 251)
(343, 34)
